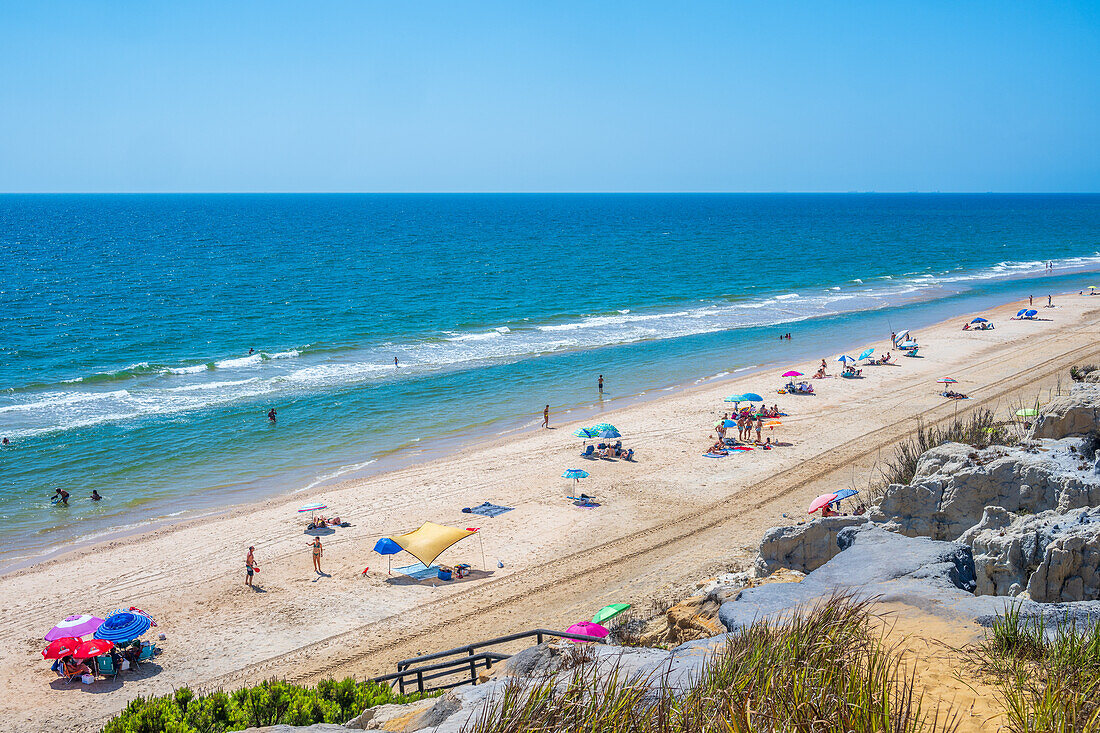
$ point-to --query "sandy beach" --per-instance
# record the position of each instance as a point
(665, 521)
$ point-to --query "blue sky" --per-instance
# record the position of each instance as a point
(519, 96)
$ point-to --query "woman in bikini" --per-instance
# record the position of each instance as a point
(317, 551)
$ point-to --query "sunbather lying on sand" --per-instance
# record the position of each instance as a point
(952, 394)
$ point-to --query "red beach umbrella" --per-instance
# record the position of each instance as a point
(62, 647)
(93, 648)
(823, 500)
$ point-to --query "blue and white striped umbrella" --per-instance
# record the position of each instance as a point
(844, 359)
(123, 626)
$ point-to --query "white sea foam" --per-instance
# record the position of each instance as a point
(284, 354)
(194, 369)
(243, 361)
(787, 296)
(341, 471)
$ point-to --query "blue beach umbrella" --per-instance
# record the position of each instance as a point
(844, 359)
(751, 397)
(1031, 313)
(866, 353)
(575, 474)
(1021, 312)
(845, 493)
(735, 398)
(586, 433)
(979, 320)
(386, 546)
(609, 432)
(123, 626)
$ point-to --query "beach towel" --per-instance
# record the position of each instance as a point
(418, 571)
(486, 509)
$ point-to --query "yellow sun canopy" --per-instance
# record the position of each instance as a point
(430, 540)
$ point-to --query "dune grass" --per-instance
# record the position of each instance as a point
(979, 429)
(822, 669)
(1048, 678)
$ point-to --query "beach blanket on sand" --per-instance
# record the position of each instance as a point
(486, 509)
(418, 571)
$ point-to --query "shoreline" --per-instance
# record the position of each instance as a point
(411, 455)
(663, 517)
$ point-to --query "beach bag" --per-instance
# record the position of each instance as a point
(87, 679)
(125, 665)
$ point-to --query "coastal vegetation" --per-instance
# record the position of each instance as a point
(824, 668)
(273, 702)
(1048, 678)
(979, 429)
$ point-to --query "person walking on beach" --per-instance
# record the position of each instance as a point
(1030, 300)
(271, 415)
(249, 566)
(759, 427)
(600, 383)
(1049, 304)
(317, 552)
(546, 416)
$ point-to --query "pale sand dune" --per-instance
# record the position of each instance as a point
(665, 520)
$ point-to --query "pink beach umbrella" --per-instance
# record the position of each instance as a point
(77, 626)
(823, 500)
(793, 374)
(587, 628)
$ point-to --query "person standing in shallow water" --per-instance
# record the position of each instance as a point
(600, 383)
(271, 415)
(546, 417)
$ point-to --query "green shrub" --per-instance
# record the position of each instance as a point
(1048, 678)
(273, 702)
(821, 670)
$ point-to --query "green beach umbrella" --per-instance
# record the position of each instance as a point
(1027, 412)
(609, 612)
(603, 426)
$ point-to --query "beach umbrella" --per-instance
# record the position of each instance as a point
(386, 546)
(312, 509)
(123, 626)
(607, 613)
(729, 423)
(845, 493)
(62, 647)
(1031, 314)
(793, 374)
(844, 359)
(1027, 412)
(1092, 287)
(901, 336)
(979, 320)
(93, 648)
(823, 500)
(947, 380)
(609, 433)
(575, 474)
(734, 398)
(1021, 312)
(585, 433)
(587, 628)
(79, 625)
(866, 353)
(752, 397)
(601, 426)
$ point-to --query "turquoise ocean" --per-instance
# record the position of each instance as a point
(127, 321)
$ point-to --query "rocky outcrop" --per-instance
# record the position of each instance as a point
(1070, 570)
(803, 547)
(1074, 414)
(396, 718)
(955, 483)
(1009, 549)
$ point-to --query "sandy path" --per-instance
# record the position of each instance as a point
(665, 520)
